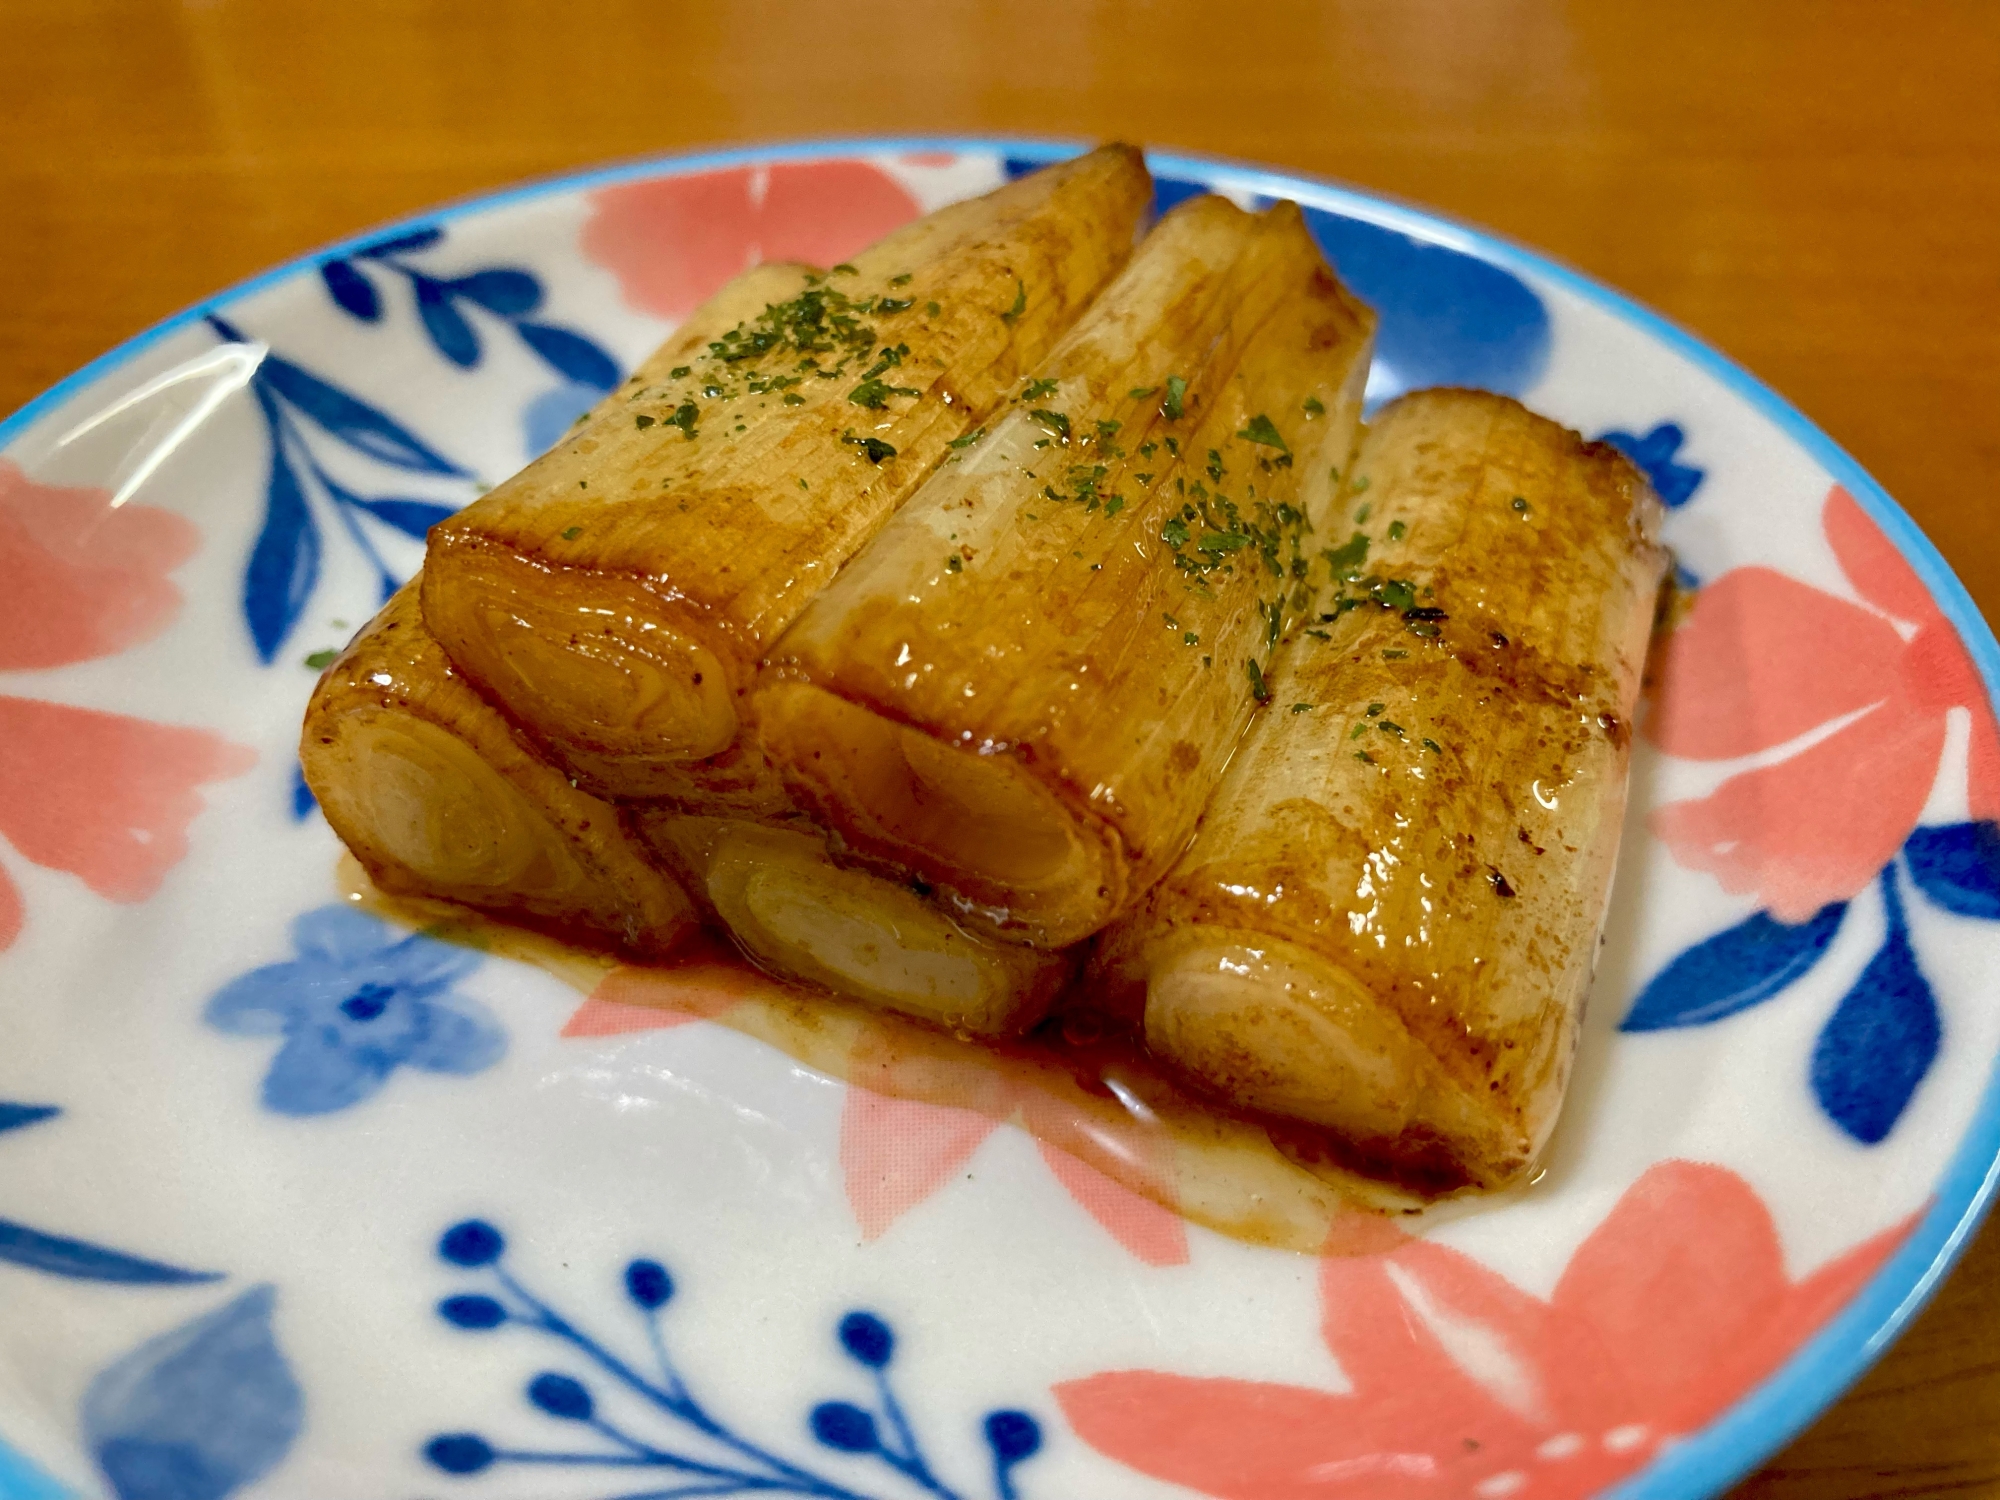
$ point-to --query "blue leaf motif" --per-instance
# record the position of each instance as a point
(15, 1116)
(284, 563)
(354, 293)
(445, 324)
(1958, 867)
(303, 801)
(571, 355)
(1733, 970)
(411, 517)
(1448, 318)
(198, 1412)
(546, 419)
(58, 1255)
(1882, 1038)
(415, 239)
(1674, 482)
(352, 420)
(507, 292)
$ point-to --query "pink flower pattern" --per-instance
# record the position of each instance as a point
(1762, 661)
(102, 796)
(672, 241)
(1465, 1385)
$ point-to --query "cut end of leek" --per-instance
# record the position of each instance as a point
(975, 826)
(431, 805)
(1280, 1031)
(800, 915)
(591, 664)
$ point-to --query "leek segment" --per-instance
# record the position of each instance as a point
(1422, 853)
(439, 796)
(1045, 658)
(616, 596)
(799, 915)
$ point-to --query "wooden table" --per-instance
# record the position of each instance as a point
(1813, 186)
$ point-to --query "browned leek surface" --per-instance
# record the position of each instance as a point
(1023, 690)
(615, 595)
(1388, 920)
(438, 795)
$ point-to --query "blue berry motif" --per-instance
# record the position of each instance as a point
(357, 1003)
(702, 1454)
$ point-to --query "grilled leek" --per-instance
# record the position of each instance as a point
(1022, 691)
(616, 595)
(438, 795)
(798, 914)
(1388, 920)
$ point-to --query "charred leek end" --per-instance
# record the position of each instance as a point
(615, 596)
(797, 914)
(1386, 925)
(437, 796)
(1023, 690)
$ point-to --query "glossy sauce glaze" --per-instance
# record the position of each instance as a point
(1080, 1082)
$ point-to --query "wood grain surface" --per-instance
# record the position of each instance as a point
(1813, 186)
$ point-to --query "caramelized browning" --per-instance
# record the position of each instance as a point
(1022, 691)
(615, 596)
(1388, 920)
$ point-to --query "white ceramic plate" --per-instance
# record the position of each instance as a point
(298, 1204)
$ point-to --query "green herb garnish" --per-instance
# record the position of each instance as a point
(1315, 409)
(1262, 430)
(968, 440)
(1020, 302)
(874, 447)
(1259, 689)
(874, 394)
(1346, 559)
(1175, 405)
(1052, 421)
(319, 661)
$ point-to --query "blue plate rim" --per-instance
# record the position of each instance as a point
(1758, 1423)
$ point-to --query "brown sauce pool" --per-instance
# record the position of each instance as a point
(1079, 1088)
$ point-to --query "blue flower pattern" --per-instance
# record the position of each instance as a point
(357, 1003)
(703, 1455)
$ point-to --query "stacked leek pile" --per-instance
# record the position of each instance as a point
(1008, 602)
